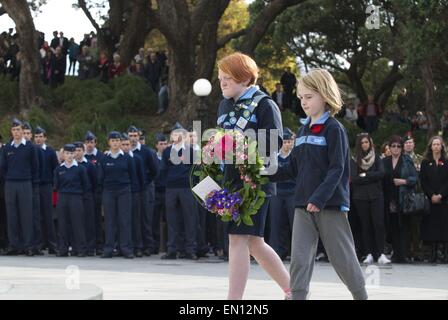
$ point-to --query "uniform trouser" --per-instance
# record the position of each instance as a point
(180, 203)
(281, 216)
(70, 210)
(46, 212)
(371, 216)
(117, 218)
(159, 216)
(89, 219)
(3, 221)
(201, 239)
(399, 233)
(147, 214)
(19, 213)
(37, 219)
(99, 231)
(137, 240)
(334, 230)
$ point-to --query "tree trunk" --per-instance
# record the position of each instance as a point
(138, 27)
(428, 81)
(29, 83)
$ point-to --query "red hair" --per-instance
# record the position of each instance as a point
(240, 67)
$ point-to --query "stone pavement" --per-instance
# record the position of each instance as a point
(153, 278)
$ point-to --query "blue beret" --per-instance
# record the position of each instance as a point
(160, 137)
(133, 129)
(27, 126)
(78, 144)
(124, 136)
(89, 136)
(114, 135)
(39, 130)
(69, 147)
(16, 123)
(287, 134)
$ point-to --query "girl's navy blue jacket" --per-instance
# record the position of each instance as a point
(73, 180)
(320, 165)
(115, 174)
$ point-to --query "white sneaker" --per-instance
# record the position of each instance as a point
(383, 259)
(368, 259)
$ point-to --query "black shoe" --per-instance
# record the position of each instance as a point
(81, 255)
(38, 252)
(90, 254)
(147, 252)
(169, 256)
(73, 253)
(181, 255)
(128, 256)
(99, 252)
(52, 251)
(62, 254)
(106, 255)
(29, 253)
(139, 253)
(11, 253)
(191, 256)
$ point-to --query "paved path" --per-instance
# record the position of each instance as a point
(152, 278)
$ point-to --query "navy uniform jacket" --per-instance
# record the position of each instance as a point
(94, 157)
(115, 174)
(177, 175)
(150, 162)
(265, 116)
(50, 162)
(71, 180)
(289, 186)
(320, 163)
(21, 163)
(92, 174)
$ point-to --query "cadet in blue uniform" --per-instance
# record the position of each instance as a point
(177, 160)
(116, 175)
(89, 198)
(93, 155)
(37, 219)
(20, 166)
(281, 207)
(72, 183)
(151, 167)
(159, 221)
(48, 166)
(136, 195)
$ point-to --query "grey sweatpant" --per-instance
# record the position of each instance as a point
(334, 230)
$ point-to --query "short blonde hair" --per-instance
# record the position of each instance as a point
(240, 67)
(322, 82)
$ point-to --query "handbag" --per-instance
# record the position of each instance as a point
(415, 203)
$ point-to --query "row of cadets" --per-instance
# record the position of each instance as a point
(93, 155)
(72, 184)
(20, 166)
(116, 175)
(159, 221)
(180, 204)
(89, 197)
(151, 168)
(137, 186)
(281, 207)
(48, 165)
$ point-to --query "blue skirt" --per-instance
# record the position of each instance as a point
(259, 220)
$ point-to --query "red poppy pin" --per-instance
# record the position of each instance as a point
(440, 163)
(316, 128)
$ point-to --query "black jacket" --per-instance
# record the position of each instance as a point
(370, 186)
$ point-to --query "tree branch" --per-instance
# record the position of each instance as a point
(82, 4)
(225, 39)
(258, 29)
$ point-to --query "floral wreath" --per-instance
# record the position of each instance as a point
(231, 204)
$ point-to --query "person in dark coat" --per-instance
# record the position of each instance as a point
(367, 172)
(237, 75)
(434, 181)
(400, 178)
